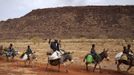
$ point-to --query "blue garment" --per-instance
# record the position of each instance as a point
(10, 51)
(93, 53)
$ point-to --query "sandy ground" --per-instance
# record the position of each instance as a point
(16, 67)
(79, 47)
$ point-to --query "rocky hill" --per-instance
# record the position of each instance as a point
(72, 22)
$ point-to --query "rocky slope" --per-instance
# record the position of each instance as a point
(72, 22)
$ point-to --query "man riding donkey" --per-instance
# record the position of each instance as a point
(54, 45)
(11, 50)
(56, 51)
(28, 56)
(28, 53)
(58, 56)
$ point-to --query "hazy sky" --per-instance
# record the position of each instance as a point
(17, 8)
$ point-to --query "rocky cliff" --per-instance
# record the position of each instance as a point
(115, 22)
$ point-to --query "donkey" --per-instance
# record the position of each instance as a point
(10, 54)
(29, 60)
(67, 56)
(129, 62)
(98, 60)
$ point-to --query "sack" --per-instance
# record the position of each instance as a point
(89, 59)
(25, 57)
(118, 56)
(22, 55)
(55, 55)
(124, 57)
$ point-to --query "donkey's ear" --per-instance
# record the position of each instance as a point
(34, 52)
(71, 52)
(107, 50)
(104, 49)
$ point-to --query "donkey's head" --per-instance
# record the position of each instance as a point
(68, 56)
(105, 54)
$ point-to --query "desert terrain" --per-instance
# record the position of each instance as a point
(109, 27)
(79, 46)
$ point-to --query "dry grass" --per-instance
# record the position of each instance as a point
(80, 47)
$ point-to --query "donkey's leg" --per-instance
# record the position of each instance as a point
(12, 57)
(32, 63)
(129, 68)
(86, 66)
(59, 68)
(29, 62)
(65, 66)
(7, 58)
(118, 66)
(95, 67)
(47, 66)
(25, 62)
(100, 67)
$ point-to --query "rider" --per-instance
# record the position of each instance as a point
(54, 45)
(28, 51)
(129, 49)
(1, 48)
(125, 50)
(10, 49)
(93, 52)
(128, 52)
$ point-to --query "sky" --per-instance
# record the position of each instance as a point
(17, 8)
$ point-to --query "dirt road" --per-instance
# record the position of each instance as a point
(17, 67)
